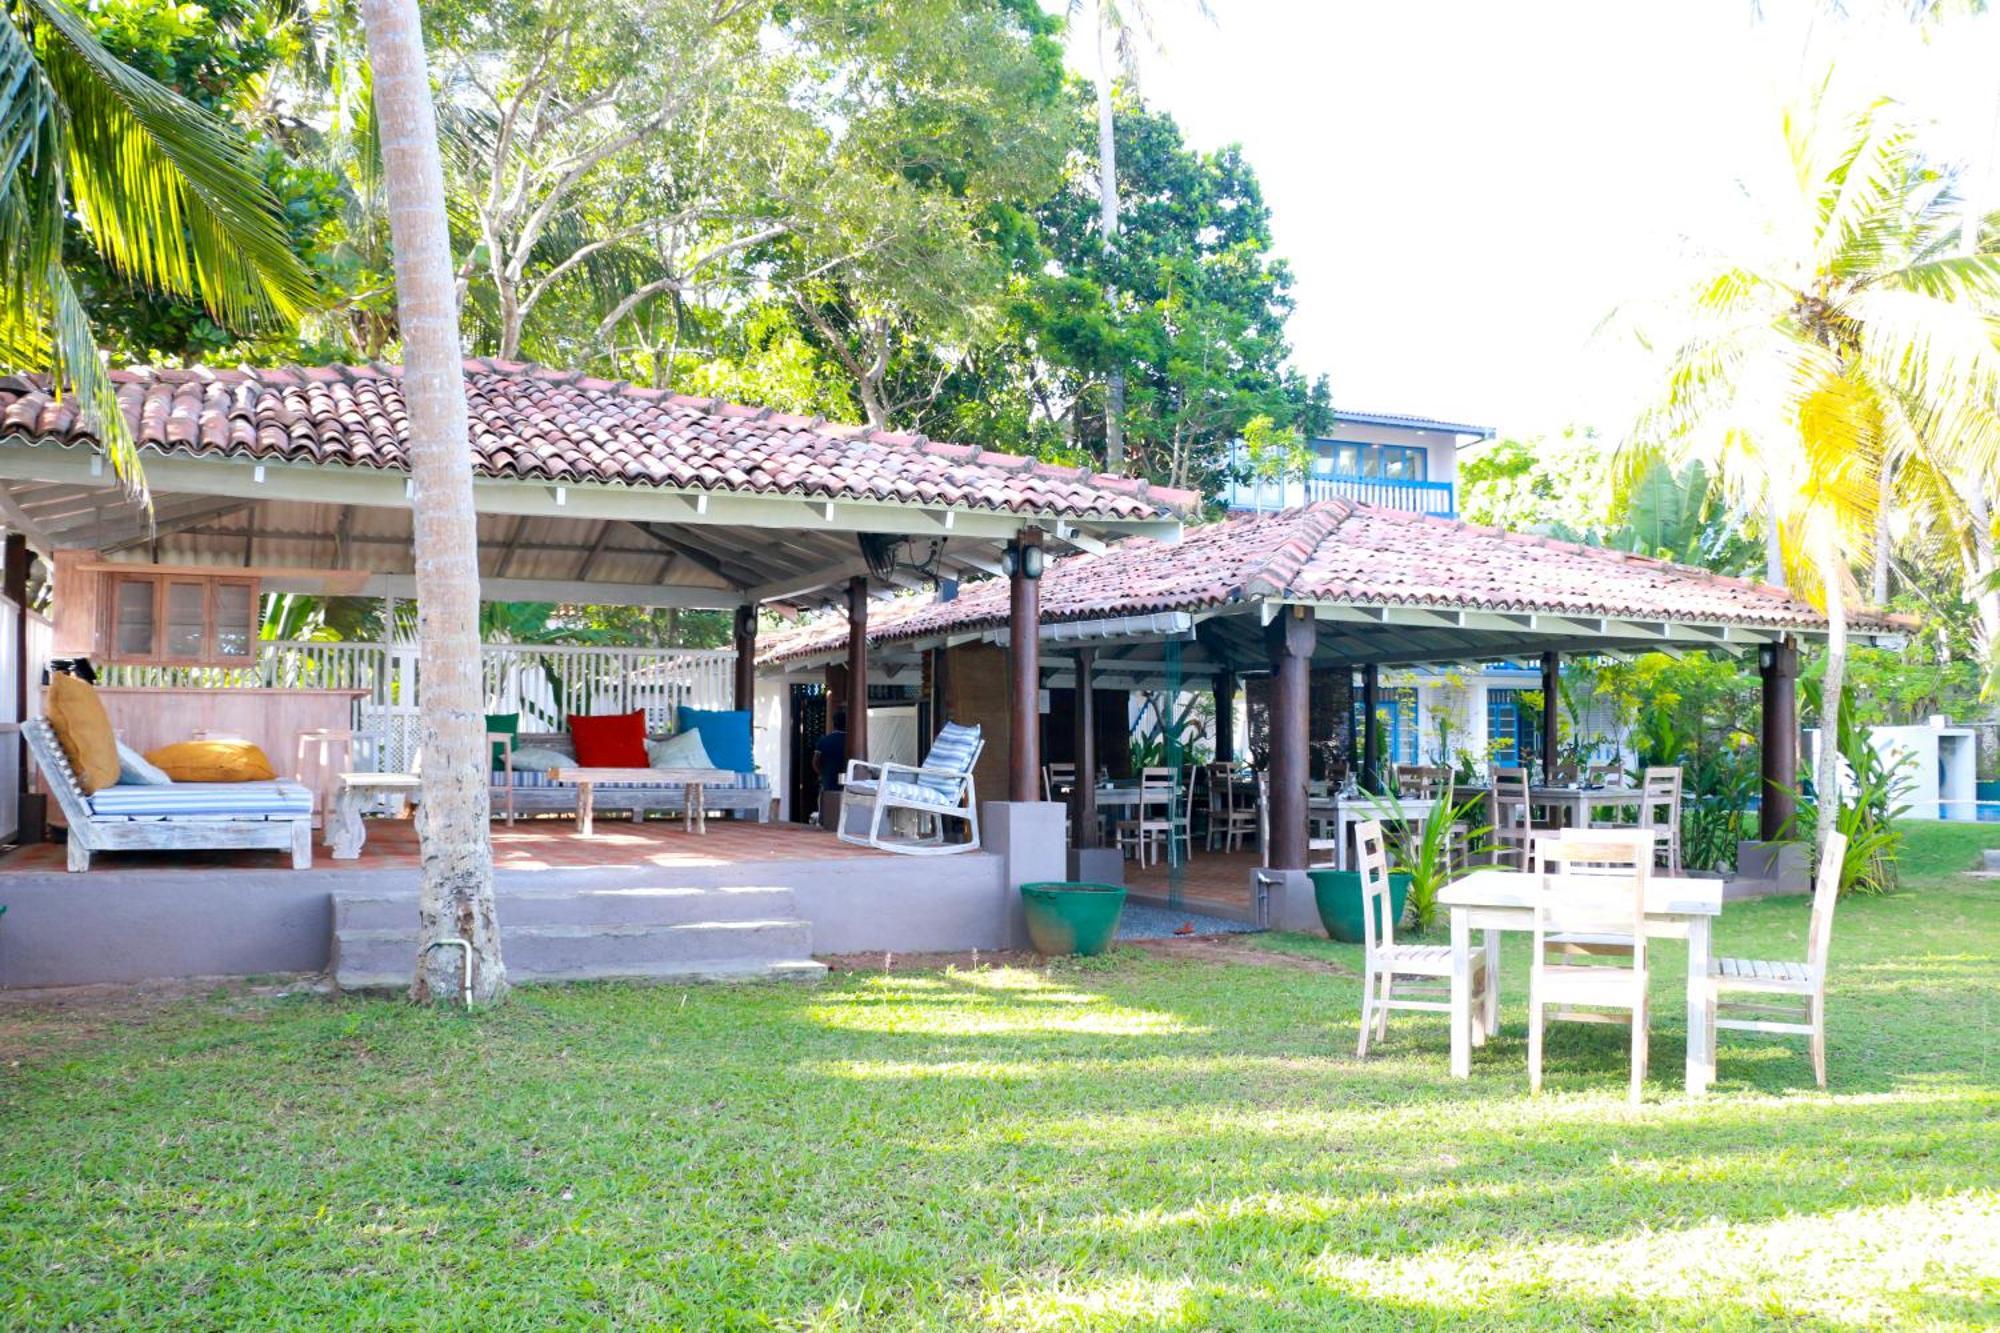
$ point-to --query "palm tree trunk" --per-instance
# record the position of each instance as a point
(1774, 547)
(1885, 499)
(1826, 778)
(1107, 212)
(456, 902)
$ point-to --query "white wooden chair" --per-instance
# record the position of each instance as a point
(1058, 780)
(1784, 998)
(1511, 828)
(1422, 971)
(1152, 821)
(937, 790)
(1660, 808)
(1228, 820)
(1321, 853)
(1596, 893)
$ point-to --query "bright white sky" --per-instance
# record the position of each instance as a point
(1465, 189)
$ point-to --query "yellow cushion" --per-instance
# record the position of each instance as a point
(78, 718)
(213, 761)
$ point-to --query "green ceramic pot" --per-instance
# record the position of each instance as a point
(1066, 918)
(1337, 894)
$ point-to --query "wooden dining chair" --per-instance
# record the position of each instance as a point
(1660, 809)
(1321, 853)
(1228, 818)
(1401, 976)
(1152, 822)
(1511, 827)
(1596, 890)
(1057, 781)
(1784, 998)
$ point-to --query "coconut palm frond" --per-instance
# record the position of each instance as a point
(169, 194)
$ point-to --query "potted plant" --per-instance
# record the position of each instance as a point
(1337, 895)
(1072, 917)
(1422, 856)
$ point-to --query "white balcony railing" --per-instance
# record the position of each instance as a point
(1418, 497)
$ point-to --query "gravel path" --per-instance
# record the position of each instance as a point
(1142, 922)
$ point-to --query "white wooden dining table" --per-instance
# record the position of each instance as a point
(1677, 907)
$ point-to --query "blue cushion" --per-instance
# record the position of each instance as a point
(725, 734)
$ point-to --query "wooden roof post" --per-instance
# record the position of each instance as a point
(746, 656)
(1083, 792)
(1778, 666)
(1291, 640)
(857, 667)
(1024, 665)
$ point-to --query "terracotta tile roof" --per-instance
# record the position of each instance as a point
(1342, 553)
(532, 423)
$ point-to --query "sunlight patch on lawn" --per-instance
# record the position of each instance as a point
(1129, 1301)
(1011, 1071)
(987, 1003)
(1861, 1266)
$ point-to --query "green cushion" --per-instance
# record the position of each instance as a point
(508, 724)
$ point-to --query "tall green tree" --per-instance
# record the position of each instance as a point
(163, 192)
(1118, 28)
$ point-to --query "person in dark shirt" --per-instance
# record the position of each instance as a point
(830, 754)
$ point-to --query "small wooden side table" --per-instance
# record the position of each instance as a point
(694, 808)
(346, 833)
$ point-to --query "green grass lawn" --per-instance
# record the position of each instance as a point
(1133, 1142)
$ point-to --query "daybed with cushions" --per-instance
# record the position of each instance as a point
(173, 816)
(725, 744)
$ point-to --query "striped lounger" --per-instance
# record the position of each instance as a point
(181, 816)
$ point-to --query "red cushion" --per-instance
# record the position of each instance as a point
(613, 740)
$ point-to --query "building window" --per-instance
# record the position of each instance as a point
(1396, 714)
(181, 619)
(1510, 727)
(1382, 462)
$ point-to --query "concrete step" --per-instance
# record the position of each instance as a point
(664, 905)
(590, 952)
(784, 969)
(1991, 857)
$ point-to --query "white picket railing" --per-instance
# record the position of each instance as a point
(544, 684)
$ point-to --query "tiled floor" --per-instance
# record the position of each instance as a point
(531, 844)
(1222, 877)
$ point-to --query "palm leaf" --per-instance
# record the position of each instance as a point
(169, 194)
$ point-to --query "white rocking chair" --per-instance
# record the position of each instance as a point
(938, 789)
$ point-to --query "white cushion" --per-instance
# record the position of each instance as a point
(540, 759)
(682, 751)
(135, 771)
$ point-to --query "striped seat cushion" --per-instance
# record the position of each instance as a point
(914, 793)
(954, 750)
(208, 800)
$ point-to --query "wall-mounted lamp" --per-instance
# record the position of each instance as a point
(1025, 560)
(1766, 656)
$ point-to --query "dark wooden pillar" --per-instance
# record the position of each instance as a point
(940, 690)
(1551, 703)
(15, 560)
(1225, 717)
(1371, 728)
(746, 657)
(1291, 639)
(1778, 665)
(1024, 668)
(1083, 796)
(857, 667)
